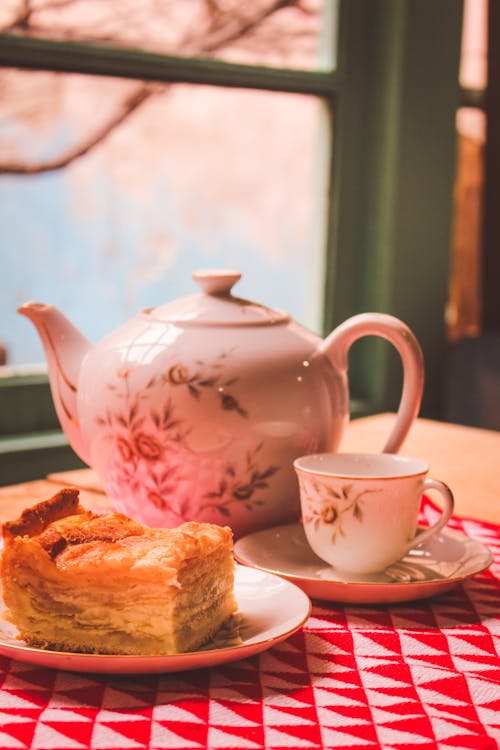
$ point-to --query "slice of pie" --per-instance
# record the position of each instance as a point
(77, 581)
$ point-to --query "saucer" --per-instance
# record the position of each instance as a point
(435, 567)
(270, 609)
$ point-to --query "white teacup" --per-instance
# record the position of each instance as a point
(360, 510)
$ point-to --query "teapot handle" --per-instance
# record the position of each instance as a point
(336, 347)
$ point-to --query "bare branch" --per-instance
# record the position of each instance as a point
(226, 28)
(129, 105)
(225, 24)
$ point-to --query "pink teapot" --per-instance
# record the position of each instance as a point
(196, 409)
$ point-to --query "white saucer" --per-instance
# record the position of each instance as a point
(441, 563)
(269, 610)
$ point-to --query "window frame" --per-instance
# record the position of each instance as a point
(376, 102)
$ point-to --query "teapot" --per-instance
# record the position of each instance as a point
(196, 409)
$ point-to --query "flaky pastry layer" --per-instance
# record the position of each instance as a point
(74, 580)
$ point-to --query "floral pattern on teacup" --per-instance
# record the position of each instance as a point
(329, 505)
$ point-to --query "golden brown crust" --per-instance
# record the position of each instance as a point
(61, 521)
(33, 521)
(74, 580)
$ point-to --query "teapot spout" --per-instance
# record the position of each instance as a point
(65, 348)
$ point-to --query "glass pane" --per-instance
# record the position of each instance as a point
(112, 192)
(263, 32)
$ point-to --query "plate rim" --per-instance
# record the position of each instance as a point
(395, 586)
(212, 657)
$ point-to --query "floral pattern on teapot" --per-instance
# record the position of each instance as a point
(151, 452)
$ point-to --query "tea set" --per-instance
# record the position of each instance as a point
(216, 408)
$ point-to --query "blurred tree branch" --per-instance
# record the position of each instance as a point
(217, 25)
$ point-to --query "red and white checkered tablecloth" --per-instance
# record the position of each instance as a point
(421, 674)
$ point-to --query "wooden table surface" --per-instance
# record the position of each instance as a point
(466, 458)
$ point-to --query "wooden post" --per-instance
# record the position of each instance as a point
(491, 233)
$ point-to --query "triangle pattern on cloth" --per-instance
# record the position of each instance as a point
(483, 691)
(479, 644)
(61, 715)
(116, 699)
(373, 679)
(443, 730)
(344, 680)
(237, 693)
(107, 737)
(107, 716)
(279, 717)
(221, 738)
(434, 697)
(289, 645)
(129, 731)
(466, 665)
(163, 737)
(222, 715)
(360, 618)
(74, 681)
(381, 698)
(384, 716)
(425, 675)
(165, 694)
(412, 619)
(8, 741)
(375, 644)
(172, 712)
(318, 623)
(282, 699)
(329, 718)
(277, 682)
(424, 645)
(71, 689)
(279, 739)
(489, 716)
(374, 662)
(242, 694)
(453, 617)
(9, 700)
(271, 661)
(15, 718)
(322, 665)
(334, 738)
(328, 643)
(89, 697)
(332, 698)
(46, 737)
(389, 736)
(19, 728)
(29, 680)
(236, 673)
(444, 712)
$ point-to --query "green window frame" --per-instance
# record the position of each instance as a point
(389, 138)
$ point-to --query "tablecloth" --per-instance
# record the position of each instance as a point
(423, 674)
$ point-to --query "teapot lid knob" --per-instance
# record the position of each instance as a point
(216, 282)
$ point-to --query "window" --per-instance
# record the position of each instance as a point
(374, 213)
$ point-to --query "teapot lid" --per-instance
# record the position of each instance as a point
(216, 305)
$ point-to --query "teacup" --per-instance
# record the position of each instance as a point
(360, 510)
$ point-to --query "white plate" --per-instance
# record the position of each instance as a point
(441, 563)
(269, 610)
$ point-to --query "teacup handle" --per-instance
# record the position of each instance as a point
(449, 504)
(336, 347)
